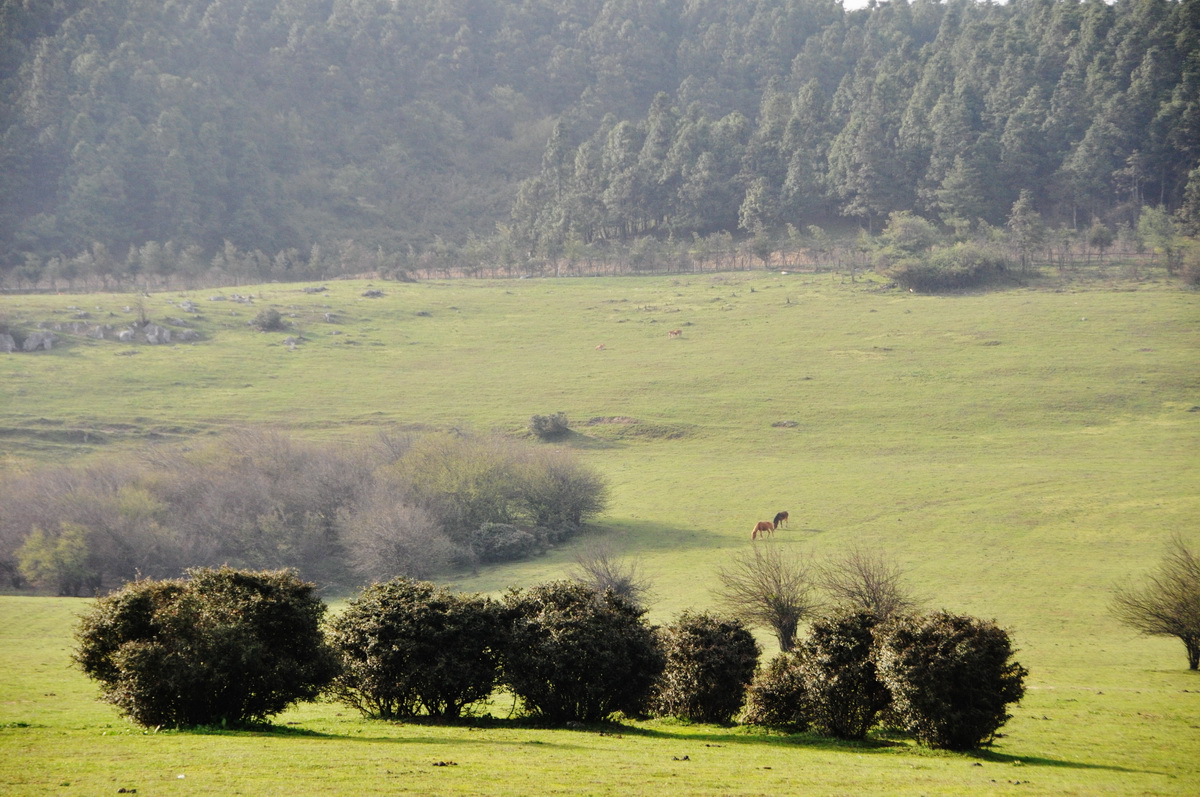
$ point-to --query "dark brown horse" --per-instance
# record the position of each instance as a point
(780, 519)
(763, 527)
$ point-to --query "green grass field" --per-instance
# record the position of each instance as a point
(1018, 452)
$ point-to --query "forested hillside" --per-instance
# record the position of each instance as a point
(305, 138)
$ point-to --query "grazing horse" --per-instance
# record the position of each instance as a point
(780, 519)
(763, 527)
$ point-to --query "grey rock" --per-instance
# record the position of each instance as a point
(39, 340)
(156, 334)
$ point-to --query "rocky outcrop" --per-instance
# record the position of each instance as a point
(40, 340)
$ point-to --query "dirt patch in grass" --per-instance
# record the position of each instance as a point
(609, 419)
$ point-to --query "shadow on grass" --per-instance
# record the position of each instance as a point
(648, 536)
(1040, 761)
(683, 733)
(583, 442)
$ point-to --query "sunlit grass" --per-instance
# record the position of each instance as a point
(1018, 452)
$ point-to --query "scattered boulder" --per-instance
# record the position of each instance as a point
(7, 343)
(374, 293)
(125, 336)
(39, 340)
(156, 334)
(315, 289)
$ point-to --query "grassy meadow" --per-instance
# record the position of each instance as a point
(1018, 452)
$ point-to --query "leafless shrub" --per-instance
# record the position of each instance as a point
(864, 582)
(261, 499)
(597, 566)
(1168, 602)
(768, 587)
(386, 537)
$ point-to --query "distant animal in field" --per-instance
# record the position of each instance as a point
(674, 333)
(780, 519)
(600, 347)
(762, 528)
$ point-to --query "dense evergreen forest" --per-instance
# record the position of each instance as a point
(295, 139)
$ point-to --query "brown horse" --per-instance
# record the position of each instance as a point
(780, 519)
(763, 527)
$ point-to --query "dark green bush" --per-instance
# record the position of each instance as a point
(573, 654)
(549, 427)
(220, 647)
(408, 645)
(951, 678)
(503, 542)
(776, 697)
(964, 265)
(845, 695)
(709, 662)
(268, 320)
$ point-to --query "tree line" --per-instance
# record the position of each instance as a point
(227, 140)
(177, 653)
(342, 514)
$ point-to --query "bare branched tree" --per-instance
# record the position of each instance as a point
(387, 537)
(597, 566)
(1168, 602)
(767, 587)
(861, 581)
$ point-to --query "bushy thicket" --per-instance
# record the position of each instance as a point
(219, 647)
(256, 499)
(408, 645)
(951, 678)
(945, 679)
(709, 663)
(963, 265)
(842, 690)
(503, 542)
(549, 427)
(268, 320)
(575, 655)
(777, 696)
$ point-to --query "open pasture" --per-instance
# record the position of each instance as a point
(1018, 452)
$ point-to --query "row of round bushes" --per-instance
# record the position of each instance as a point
(228, 647)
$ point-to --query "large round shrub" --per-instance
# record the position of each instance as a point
(219, 647)
(573, 654)
(776, 697)
(963, 265)
(709, 662)
(502, 542)
(844, 693)
(951, 678)
(408, 645)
